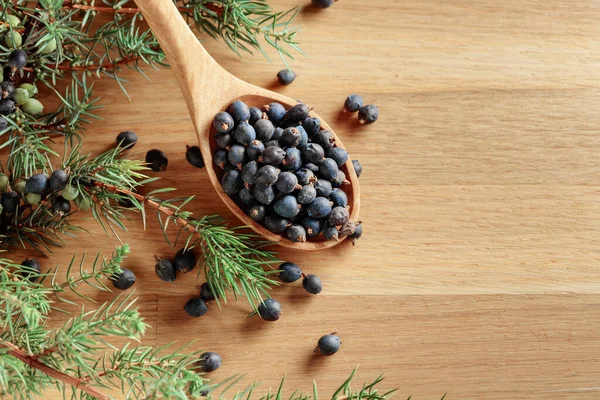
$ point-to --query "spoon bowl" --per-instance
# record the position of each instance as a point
(207, 89)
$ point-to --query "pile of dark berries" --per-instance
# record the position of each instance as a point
(284, 170)
(366, 114)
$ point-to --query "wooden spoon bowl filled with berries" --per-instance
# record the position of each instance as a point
(278, 167)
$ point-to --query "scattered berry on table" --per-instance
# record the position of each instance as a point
(123, 280)
(269, 310)
(58, 180)
(127, 139)
(10, 202)
(206, 292)
(276, 224)
(195, 307)
(286, 76)
(323, 3)
(245, 133)
(312, 284)
(290, 272)
(296, 233)
(37, 184)
(17, 59)
(328, 345)
(255, 114)
(306, 195)
(275, 112)
(223, 122)
(184, 260)
(353, 103)
(157, 160)
(61, 206)
(164, 269)
(239, 111)
(193, 155)
(209, 361)
(264, 129)
(368, 114)
(31, 268)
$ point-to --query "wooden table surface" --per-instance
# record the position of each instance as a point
(478, 272)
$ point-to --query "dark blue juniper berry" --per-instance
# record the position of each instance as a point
(246, 196)
(305, 176)
(368, 114)
(286, 76)
(255, 115)
(338, 216)
(17, 59)
(275, 112)
(221, 159)
(296, 233)
(313, 167)
(290, 272)
(269, 310)
(223, 140)
(257, 212)
(353, 103)
(255, 149)
(123, 280)
(249, 172)
(31, 269)
(157, 160)
(292, 160)
(298, 113)
(7, 89)
(193, 155)
(272, 143)
(357, 233)
(208, 362)
(287, 182)
(339, 180)
(312, 284)
(195, 307)
(287, 207)
(272, 156)
(311, 125)
(38, 184)
(206, 292)
(323, 188)
(324, 138)
(330, 232)
(312, 226)
(328, 345)
(319, 208)
(276, 224)
(127, 139)
(245, 133)
(313, 153)
(264, 193)
(277, 133)
(290, 137)
(338, 197)
(303, 137)
(164, 269)
(339, 155)
(61, 206)
(357, 167)
(10, 202)
(223, 122)
(328, 169)
(232, 182)
(267, 175)
(237, 155)
(7, 107)
(184, 260)
(306, 195)
(323, 3)
(264, 129)
(239, 111)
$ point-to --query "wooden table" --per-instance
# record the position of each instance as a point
(478, 271)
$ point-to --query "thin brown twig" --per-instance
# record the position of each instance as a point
(16, 352)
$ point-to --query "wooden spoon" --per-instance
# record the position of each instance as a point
(208, 89)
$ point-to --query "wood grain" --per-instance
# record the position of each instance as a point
(477, 274)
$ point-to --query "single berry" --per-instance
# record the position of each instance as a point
(195, 307)
(10, 202)
(368, 114)
(339, 155)
(7, 89)
(277, 133)
(290, 272)
(58, 180)
(319, 208)
(255, 150)
(312, 125)
(209, 362)
(31, 269)
(17, 59)
(323, 3)
(184, 260)
(313, 153)
(223, 140)
(127, 139)
(287, 182)
(286, 76)
(267, 175)
(249, 172)
(298, 113)
(221, 159)
(7, 107)
(257, 212)
(292, 160)
(264, 129)
(328, 345)
(306, 195)
(272, 155)
(276, 224)
(323, 188)
(13, 20)
(357, 233)
(49, 47)
(165, 269)
(31, 89)
(20, 187)
(245, 133)
(357, 167)
(246, 196)
(339, 216)
(264, 194)
(193, 155)
(287, 207)
(325, 139)
(237, 155)
(21, 96)
(13, 39)
(303, 137)
(33, 107)
(312, 284)
(296, 233)
(239, 111)
(353, 103)
(206, 292)
(70, 192)
(255, 115)
(272, 143)
(338, 197)
(269, 310)
(328, 169)
(339, 180)
(61, 206)
(290, 137)
(38, 184)
(157, 160)
(305, 176)
(330, 232)
(123, 280)
(223, 122)
(275, 112)
(83, 203)
(312, 226)
(33, 199)
(314, 168)
(3, 182)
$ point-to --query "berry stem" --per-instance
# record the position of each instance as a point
(34, 363)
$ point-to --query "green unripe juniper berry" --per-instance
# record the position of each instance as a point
(21, 96)
(33, 107)
(70, 192)
(20, 187)
(33, 199)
